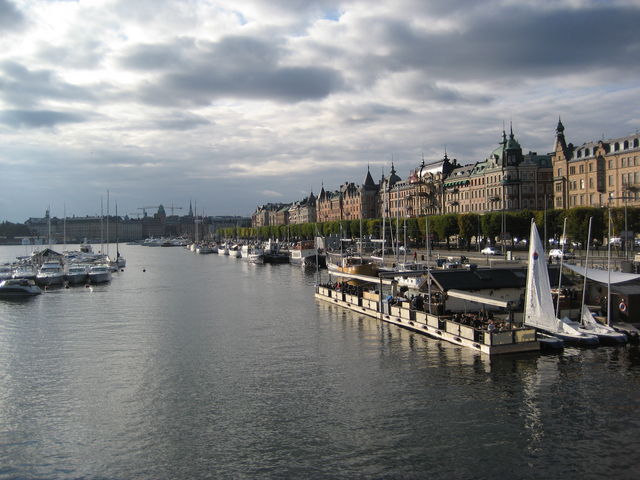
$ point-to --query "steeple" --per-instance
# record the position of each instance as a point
(368, 181)
(190, 209)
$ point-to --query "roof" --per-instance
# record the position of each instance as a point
(490, 278)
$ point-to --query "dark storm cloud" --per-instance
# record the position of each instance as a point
(516, 42)
(37, 118)
(237, 67)
(23, 87)
(10, 17)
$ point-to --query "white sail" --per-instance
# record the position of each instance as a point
(539, 310)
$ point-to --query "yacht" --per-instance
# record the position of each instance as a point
(6, 272)
(19, 287)
(77, 273)
(27, 271)
(50, 274)
(99, 274)
(301, 251)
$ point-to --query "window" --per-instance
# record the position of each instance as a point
(572, 170)
(581, 168)
(616, 147)
(610, 180)
(558, 187)
(590, 167)
(610, 163)
(591, 182)
(623, 160)
(559, 172)
(586, 152)
(581, 184)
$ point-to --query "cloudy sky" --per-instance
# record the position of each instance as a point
(235, 103)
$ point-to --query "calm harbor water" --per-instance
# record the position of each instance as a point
(209, 367)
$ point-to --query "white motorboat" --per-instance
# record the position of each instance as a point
(6, 272)
(77, 273)
(19, 287)
(50, 274)
(539, 310)
(410, 279)
(223, 249)
(301, 251)
(27, 271)
(255, 255)
(99, 274)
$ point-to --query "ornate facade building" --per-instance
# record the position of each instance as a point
(596, 174)
(420, 194)
(350, 202)
(267, 214)
(303, 211)
(506, 180)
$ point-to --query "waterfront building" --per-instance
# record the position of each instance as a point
(506, 180)
(350, 202)
(76, 229)
(420, 194)
(267, 214)
(303, 211)
(597, 173)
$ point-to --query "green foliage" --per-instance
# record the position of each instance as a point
(468, 225)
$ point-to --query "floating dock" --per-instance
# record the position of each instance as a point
(515, 340)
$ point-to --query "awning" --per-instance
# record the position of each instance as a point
(478, 298)
(602, 276)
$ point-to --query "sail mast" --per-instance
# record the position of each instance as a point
(586, 266)
(609, 272)
(564, 240)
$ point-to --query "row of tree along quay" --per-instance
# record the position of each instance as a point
(463, 230)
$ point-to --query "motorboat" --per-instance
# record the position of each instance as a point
(99, 274)
(6, 272)
(273, 254)
(254, 254)
(301, 251)
(77, 273)
(27, 271)
(19, 287)
(50, 274)
(223, 249)
(351, 264)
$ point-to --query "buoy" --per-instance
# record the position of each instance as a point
(622, 306)
(144, 269)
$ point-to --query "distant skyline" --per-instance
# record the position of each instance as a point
(235, 104)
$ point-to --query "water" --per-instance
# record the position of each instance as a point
(209, 367)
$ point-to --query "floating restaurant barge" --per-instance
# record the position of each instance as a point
(367, 302)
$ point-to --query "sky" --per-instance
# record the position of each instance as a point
(232, 104)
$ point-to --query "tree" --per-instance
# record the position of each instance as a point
(491, 224)
(468, 226)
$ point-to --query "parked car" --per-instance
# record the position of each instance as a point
(490, 251)
(557, 254)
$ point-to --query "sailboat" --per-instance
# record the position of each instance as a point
(605, 333)
(539, 311)
(120, 260)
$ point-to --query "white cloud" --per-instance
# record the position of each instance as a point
(235, 102)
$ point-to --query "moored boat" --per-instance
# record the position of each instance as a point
(50, 274)
(539, 310)
(19, 287)
(99, 274)
(27, 271)
(77, 273)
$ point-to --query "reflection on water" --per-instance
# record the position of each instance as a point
(188, 366)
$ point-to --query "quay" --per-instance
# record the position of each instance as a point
(371, 303)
